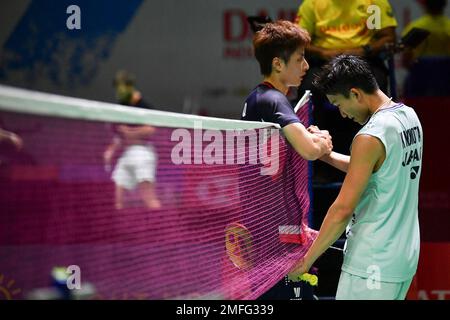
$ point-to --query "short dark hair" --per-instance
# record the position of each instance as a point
(343, 73)
(278, 39)
(435, 6)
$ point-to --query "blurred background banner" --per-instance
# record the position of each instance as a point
(188, 56)
(40, 46)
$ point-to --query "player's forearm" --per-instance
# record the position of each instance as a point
(333, 226)
(314, 149)
(301, 141)
(309, 146)
(310, 152)
(337, 160)
(321, 147)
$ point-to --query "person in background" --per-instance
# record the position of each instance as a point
(136, 166)
(126, 92)
(437, 44)
(429, 63)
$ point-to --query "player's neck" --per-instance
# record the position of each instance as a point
(378, 101)
(276, 83)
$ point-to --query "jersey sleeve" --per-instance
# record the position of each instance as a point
(280, 111)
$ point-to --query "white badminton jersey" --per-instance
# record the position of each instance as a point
(383, 236)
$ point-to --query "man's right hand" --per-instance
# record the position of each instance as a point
(322, 133)
(328, 145)
(325, 135)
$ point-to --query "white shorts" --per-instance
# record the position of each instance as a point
(352, 287)
(137, 164)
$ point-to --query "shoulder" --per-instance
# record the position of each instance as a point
(385, 123)
(384, 117)
(273, 102)
(423, 21)
(378, 124)
(365, 142)
(270, 105)
(367, 149)
(269, 97)
(276, 98)
(270, 93)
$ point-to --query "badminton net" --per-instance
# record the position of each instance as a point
(226, 218)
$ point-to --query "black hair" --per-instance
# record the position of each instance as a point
(435, 6)
(343, 73)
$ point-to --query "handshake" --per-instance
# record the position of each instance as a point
(323, 139)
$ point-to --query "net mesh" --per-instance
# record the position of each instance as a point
(223, 230)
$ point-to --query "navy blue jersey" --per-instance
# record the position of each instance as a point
(267, 104)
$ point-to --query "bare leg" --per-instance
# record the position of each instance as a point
(120, 191)
(148, 195)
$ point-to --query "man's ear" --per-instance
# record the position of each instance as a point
(355, 93)
(276, 64)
